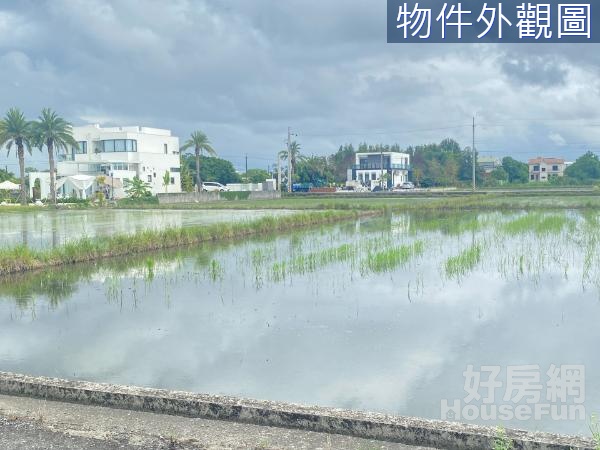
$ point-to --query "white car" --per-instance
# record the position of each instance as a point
(213, 186)
(407, 185)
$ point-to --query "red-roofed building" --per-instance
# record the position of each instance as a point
(542, 169)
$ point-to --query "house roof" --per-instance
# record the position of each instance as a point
(540, 160)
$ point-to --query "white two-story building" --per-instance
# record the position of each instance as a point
(114, 156)
(369, 168)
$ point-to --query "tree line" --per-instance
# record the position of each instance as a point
(49, 130)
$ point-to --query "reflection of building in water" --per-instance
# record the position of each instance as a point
(400, 224)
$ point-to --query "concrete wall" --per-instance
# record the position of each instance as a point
(204, 197)
(412, 431)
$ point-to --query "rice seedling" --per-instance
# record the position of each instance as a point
(459, 265)
(538, 223)
(215, 271)
(387, 260)
(92, 249)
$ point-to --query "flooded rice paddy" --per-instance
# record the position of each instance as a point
(379, 314)
(44, 229)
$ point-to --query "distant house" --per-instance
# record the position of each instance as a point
(488, 163)
(369, 168)
(542, 169)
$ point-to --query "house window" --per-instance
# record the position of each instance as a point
(166, 150)
(543, 169)
(532, 177)
(154, 174)
(149, 178)
(555, 168)
(118, 145)
(81, 149)
(536, 168)
(172, 180)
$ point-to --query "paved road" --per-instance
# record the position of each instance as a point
(30, 424)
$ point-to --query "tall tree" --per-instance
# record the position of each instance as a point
(586, 168)
(56, 134)
(15, 130)
(518, 172)
(166, 181)
(187, 183)
(292, 158)
(214, 169)
(200, 143)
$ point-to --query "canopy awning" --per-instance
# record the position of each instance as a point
(9, 186)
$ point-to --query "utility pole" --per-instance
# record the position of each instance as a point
(246, 165)
(381, 177)
(289, 153)
(473, 156)
(278, 172)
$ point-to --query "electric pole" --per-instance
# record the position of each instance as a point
(289, 183)
(246, 165)
(473, 156)
(278, 172)
(381, 177)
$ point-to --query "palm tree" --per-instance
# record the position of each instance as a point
(294, 152)
(55, 133)
(16, 130)
(199, 142)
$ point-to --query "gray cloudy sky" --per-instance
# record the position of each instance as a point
(243, 70)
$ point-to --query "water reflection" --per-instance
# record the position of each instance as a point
(40, 229)
(335, 329)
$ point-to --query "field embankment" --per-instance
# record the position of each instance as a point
(21, 258)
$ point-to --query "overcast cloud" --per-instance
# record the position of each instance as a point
(245, 70)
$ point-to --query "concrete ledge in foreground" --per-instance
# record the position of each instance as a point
(411, 431)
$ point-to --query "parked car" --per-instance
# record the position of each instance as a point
(213, 186)
(407, 185)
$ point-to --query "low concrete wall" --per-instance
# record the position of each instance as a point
(412, 431)
(264, 195)
(204, 197)
(188, 197)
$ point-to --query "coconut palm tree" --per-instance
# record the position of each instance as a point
(294, 154)
(55, 133)
(199, 142)
(16, 130)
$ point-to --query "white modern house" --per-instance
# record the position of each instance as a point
(107, 158)
(369, 168)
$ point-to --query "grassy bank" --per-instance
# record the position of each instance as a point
(401, 203)
(20, 259)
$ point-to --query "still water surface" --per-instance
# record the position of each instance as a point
(42, 229)
(380, 315)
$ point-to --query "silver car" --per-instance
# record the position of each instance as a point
(213, 186)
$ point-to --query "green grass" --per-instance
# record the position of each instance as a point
(502, 441)
(464, 262)
(21, 258)
(595, 430)
(397, 203)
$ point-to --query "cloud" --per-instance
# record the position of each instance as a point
(245, 71)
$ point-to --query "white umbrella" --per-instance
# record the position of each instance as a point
(8, 186)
